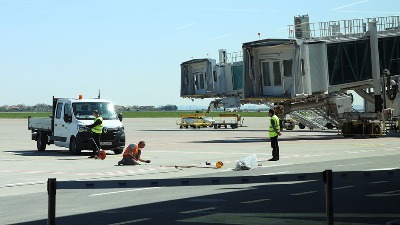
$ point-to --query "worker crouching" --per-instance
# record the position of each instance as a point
(132, 154)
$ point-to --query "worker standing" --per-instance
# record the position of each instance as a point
(96, 128)
(132, 154)
(274, 132)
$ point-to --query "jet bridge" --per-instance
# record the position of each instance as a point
(312, 69)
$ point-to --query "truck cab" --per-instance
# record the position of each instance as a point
(67, 126)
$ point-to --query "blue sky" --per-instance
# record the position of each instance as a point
(132, 50)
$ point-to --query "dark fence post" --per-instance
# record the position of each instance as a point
(51, 190)
(327, 177)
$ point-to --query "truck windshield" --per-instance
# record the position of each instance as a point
(84, 110)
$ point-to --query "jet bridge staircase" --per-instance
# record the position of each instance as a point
(315, 118)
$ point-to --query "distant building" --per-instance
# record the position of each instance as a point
(169, 108)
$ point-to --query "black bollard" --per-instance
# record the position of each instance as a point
(51, 190)
(327, 177)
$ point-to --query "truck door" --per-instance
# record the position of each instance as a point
(272, 77)
(63, 126)
(59, 126)
(70, 127)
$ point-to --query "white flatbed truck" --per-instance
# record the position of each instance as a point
(66, 127)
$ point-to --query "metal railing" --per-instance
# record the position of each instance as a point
(309, 119)
(349, 28)
(234, 57)
(327, 177)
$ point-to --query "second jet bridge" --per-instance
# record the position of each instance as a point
(203, 78)
(284, 69)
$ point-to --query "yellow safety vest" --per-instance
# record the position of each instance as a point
(99, 128)
(272, 132)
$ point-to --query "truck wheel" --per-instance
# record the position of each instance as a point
(73, 147)
(301, 126)
(118, 151)
(41, 141)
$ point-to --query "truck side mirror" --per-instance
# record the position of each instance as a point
(120, 116)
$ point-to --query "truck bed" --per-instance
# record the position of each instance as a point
(39, 124)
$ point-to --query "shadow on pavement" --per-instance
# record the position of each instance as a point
(55, 153)
(359, 198)
(266, 139)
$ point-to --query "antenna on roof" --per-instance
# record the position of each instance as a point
(98, 95)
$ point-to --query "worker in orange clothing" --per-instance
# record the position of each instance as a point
(132, 154)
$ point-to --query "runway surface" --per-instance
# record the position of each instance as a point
(366, 181)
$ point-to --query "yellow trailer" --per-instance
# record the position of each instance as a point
(197, 120)
(232, 120)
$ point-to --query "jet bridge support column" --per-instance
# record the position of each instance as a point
(373, 38)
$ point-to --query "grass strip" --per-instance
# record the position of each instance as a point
(130, 114)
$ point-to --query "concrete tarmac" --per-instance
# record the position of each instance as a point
(24, 170)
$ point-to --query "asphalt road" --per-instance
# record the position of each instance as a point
(366, 178)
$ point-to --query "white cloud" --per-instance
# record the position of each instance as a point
(185, 26)
(378, 12)
(221, 9)
(345, 6)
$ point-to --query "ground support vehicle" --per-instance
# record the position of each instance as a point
(197, 120)
(228, 119)
(288, 124)
(364, 128)
(66, 127)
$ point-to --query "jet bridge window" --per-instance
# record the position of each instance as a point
(303, 72)
(215, 76)
(202, 81)
(287, 68)
(199, 81)
(265, 72)
(277, 73)
(237, 77)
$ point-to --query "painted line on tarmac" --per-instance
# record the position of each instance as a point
(379, 182)
(386, 194)
(256, 201)
(391, 149)
(288, 164)
(354, 164)
(130, 221)
(199, 210)
(23, 184)
(199, 152)
(360, 151)
(117, 192)
(283, 172)
(344, 187)
(379, 169)
(110, 173)
(304, 193)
